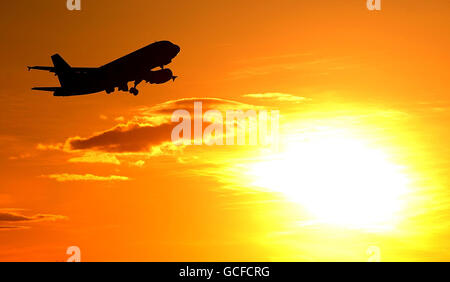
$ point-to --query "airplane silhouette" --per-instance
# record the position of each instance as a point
(136, 67)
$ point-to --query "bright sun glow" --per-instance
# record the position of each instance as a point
(338, 178)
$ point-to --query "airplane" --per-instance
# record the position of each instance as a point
(137, 66)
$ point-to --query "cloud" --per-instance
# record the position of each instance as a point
(94, 157)
(7, 228)
(148, 131)
(144, 134)
(13, 216)
(131, 137)
(64, 177)
(139, 163)
(50, 147)
(304, 64)
(207, 103)
(161, 113)
(16, 217)
(283, 97)
(20, 157)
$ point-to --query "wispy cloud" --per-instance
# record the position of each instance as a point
(283, 97)
(64, 177)
(13, 216)
(50, 147)
(16, 217)
(95, 157)
(306, 64)
(20, 157)
(162, 112)
(139, 163)
(6, 228)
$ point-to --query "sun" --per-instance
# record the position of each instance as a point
(337, 177)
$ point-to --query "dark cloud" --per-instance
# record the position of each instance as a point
(139, 136)
(150, 128)
(12, 216)
(9, 216)
(5, 228)
(124, 138)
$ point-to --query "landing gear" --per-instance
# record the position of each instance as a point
(134, 91)
(123, 88)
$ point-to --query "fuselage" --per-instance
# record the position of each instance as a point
(135, 66)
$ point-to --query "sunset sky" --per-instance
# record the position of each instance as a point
(363, 159)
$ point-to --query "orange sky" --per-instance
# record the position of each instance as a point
(332, 68)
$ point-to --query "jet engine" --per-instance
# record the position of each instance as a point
(160, 76)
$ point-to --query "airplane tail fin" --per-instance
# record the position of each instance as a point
(61, 68)
(59, 63)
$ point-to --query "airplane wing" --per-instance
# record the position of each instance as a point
(57, 91)
(51, 89)
(53, 69)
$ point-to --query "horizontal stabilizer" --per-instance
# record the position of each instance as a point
(50, 69)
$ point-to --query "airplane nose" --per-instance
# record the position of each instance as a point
(176, 49)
